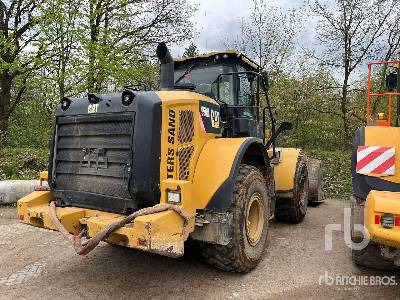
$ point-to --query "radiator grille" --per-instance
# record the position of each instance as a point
(184, 156)
(186, 126)
(94, 154)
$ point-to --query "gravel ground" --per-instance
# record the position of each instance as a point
(36, 263)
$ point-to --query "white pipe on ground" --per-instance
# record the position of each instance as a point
(13, 190)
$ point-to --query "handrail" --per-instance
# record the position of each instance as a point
(388, 95)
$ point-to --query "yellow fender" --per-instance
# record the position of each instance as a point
(217, 167)
(285, 172)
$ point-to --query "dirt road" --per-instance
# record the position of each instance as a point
(36, 263)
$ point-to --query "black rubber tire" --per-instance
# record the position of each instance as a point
(316, 180)
(293, 210)
(371, 257)
(239, 255)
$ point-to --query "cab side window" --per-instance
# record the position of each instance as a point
(245, 95)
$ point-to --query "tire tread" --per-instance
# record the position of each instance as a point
(228, 257)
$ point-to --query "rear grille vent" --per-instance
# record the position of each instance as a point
(184, 156)
(94, 154)
(186, 126)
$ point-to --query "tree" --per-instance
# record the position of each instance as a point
(269, 35)
(121, 33)
(21, 52)
(191, 51)
(62, 30)
(351, 32)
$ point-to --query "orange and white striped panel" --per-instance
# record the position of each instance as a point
(376, 160)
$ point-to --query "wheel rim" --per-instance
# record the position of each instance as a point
(254, 219)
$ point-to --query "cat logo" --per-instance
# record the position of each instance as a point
(92, 108)
(215, 119)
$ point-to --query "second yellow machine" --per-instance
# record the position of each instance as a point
(197, 148)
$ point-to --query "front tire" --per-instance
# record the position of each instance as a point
(251, 210)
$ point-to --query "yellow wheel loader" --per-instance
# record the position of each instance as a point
(149, 170)
(375, 203)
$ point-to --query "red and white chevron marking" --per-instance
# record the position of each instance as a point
(376, 160)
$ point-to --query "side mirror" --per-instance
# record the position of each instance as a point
(285, 126)
(391, 82)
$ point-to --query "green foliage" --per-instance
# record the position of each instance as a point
(311, 104)
(191, 51)
(55, 48)
(31, 126)
(22, 163)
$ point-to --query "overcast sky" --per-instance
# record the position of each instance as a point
(216, 20)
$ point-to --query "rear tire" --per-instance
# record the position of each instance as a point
(250, 227)
(316, 182)
(293, 210)
(371, 257)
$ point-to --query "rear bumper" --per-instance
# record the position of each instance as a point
(380, 203)
(162, 233)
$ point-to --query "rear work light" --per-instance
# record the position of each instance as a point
(127, 97)
(174, 197)
(65, 103)
(387, 221)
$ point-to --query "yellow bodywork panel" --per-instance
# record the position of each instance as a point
(285, 170)
(163, 233)
(380, 203)
(214, 167)
(172, 162)
(385, 137)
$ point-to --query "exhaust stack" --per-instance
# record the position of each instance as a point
(167, 67)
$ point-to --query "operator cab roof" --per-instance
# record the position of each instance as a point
(228, 55)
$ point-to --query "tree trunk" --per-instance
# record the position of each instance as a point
(92, 48)
(5, 106)
(61, 81)
(3, 132)
(343, 106)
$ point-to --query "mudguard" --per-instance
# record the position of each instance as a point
(217, 167)
(285, 171)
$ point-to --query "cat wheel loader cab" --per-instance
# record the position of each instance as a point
(375, 202)
(189, 160)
